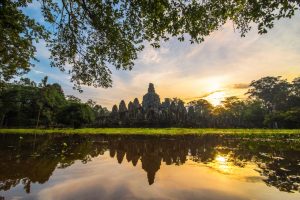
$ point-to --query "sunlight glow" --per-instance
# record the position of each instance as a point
(216, 98)
(221, 159)
(213, 87)
(222, 164)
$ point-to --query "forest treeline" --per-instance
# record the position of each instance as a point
(272, 102)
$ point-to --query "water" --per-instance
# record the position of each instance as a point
(140, 167)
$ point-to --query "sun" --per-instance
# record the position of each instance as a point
(215, 90)
(216, 98)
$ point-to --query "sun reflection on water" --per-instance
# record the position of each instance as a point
(221, 163)
(221, 159)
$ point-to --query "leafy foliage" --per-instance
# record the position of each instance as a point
(18, 33)
(27, 104)
(91, 36)
(76, 114)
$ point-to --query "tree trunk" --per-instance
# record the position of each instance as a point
(275, 125)
(38, 119)
(2, 120)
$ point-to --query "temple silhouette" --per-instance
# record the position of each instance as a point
(151, 112)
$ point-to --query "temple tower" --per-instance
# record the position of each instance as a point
(151, 100)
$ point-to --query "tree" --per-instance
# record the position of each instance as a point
(27, 82)
(76, 115)
(292, 118)
(234, 109)
(53, 101)
(191, 116)
(172, 115)
(254, 113)
(294, 100)
(9, 101)
(50, 98)
(91, 103)
(18, 32)
(101, 113)
(73, 99)
(272, 91)
(180, 111)
(42, 98)
(219, 116)
(296, 86)
(202, 111)
(92, 35)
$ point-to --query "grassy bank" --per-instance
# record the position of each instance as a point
(151, 131)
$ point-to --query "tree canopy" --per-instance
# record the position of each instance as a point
(92, 36)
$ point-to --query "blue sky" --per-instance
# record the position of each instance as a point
(219, 67)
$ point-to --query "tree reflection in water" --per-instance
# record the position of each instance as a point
(27, 160)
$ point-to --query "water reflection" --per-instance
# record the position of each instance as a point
(27, 160)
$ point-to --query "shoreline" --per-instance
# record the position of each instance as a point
(153, 131)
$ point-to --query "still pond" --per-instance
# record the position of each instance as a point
(148, 167)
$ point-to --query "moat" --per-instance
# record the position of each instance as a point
(148, 167)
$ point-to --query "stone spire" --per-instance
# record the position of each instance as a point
(151, 100)
(151, 88)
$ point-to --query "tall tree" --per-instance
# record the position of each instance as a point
(234, 110)
(202, 111)
(53, 100)
(296, 86)
(191, 116)
(273, 91)
(42, 98)
(294, 100)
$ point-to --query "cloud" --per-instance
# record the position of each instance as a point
(152, 55)
(240, 86)
(38, 72)
(202, 96)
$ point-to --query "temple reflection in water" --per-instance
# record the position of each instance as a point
(33, 160)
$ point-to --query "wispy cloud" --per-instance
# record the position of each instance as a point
(38, 72)
(202, 96)
(240, 86)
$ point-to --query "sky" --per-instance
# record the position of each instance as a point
(222, 66)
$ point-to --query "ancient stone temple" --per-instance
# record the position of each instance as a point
(151, 100)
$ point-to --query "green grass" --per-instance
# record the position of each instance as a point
(152, 131)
